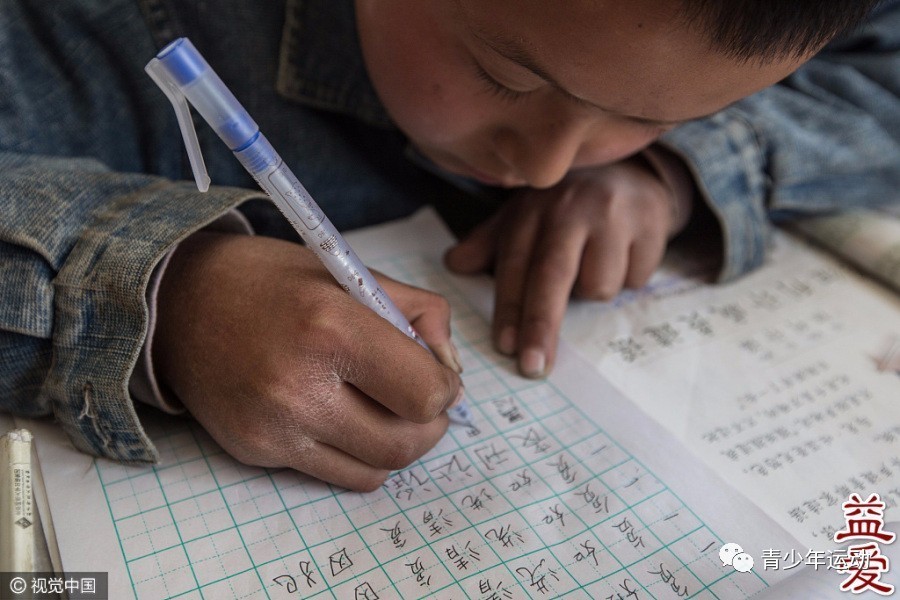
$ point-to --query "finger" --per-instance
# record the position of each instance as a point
(510, 273)
(393, 369)
(334, 466)
(429, 314)
(604, 265)
(643, 259)
(369, 432)
(554, 268)
(476, 252)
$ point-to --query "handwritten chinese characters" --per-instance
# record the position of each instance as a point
(535, 501)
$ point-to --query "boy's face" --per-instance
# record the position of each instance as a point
(518, 92)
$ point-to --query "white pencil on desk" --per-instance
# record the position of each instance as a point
(16, 503)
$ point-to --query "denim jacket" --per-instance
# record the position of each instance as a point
(95, 189)
(826, 138)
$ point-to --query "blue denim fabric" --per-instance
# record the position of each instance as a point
(88, 151)
(827, 138)
(81, 225)
(91, 158)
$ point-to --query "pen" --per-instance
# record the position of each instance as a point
(183, 75)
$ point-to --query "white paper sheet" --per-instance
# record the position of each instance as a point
(200, 523)
(773, 381)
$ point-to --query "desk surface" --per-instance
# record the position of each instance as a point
(146, 509)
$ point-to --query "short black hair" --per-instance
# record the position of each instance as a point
(765, 30)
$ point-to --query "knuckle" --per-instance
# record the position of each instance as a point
(299, 461)
(554, 266)
(437, 303)
(246, 450)
(437, 391)
(430, 405)
(595, 290)
(611, 207)
(655, 226)
(295, 451)
(370, 481)
(325, 321)
(401, 453)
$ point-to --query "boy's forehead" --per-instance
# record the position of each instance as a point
(557, 18)
(636, 57)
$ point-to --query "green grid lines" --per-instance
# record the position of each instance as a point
(201, 525)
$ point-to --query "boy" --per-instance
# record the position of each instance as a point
(118, 281)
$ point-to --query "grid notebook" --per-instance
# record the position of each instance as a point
(535, 501)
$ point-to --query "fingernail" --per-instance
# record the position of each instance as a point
(459, 396)
(532, 362)
(448, 357)
(506, 343)
(456, 359)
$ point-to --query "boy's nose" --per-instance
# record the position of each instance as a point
(542, 156)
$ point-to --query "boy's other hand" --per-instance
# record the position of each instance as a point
(599, 230)
(285, 369)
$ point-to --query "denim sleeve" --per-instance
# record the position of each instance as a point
(826, 138)
(78, 243)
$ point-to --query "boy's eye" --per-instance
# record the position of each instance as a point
(495, 87)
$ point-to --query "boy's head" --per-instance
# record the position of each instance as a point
(518, 92)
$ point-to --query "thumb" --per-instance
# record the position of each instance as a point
(429, 314)
(476, 252)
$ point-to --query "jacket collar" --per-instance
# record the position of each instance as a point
(321, 66)
(321, 63)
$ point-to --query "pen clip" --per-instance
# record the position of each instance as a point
(161, 77)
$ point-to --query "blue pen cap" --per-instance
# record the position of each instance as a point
(183, 65)
(194, 78)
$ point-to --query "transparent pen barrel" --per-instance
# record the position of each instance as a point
(298, 207)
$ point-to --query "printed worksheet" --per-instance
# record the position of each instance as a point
(561, 488)
(785, 382)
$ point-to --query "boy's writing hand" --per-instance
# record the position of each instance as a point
(599, 230)
(284, 368)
